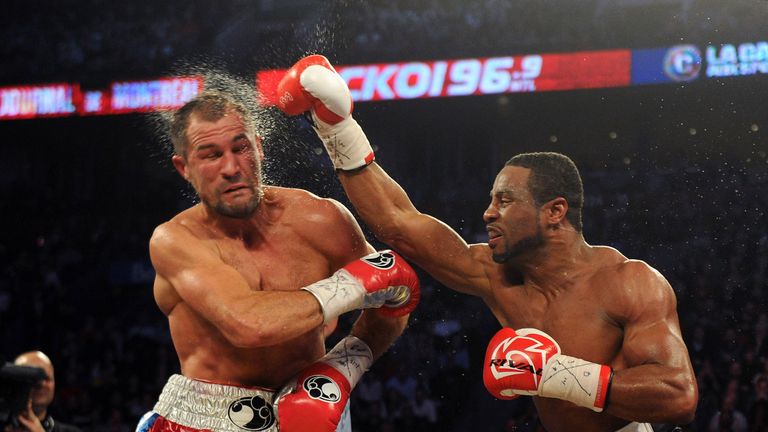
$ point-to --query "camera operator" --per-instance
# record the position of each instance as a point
(36, 417)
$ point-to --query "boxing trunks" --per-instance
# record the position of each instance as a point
(188, 405)
(636, 427)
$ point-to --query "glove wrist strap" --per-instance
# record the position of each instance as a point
(345, 142)
(337, 294)
(351, 357)
(579, 381)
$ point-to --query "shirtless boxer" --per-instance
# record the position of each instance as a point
(249, 276)
(592, 335)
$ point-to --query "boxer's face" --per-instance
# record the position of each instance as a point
(512, 218)
(223, 164)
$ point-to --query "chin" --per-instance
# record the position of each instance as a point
(500, 258)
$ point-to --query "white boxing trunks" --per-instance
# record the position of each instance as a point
(188, 405)
(636, 427)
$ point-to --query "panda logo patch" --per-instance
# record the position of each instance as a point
(322, 388)
(251, 413)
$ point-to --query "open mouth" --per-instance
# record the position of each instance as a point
(493, 236)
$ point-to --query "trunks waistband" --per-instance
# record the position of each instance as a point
(218, 407)
(636, 427)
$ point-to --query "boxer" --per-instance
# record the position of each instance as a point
(250, 276)
(593, 336)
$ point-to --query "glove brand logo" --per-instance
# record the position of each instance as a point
(526, 352)
(380, 260)
(322, 388)
(286, 98)
(251, 413)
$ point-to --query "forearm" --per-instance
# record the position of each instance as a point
(378, 332)
(380, 201)
(270, 318)
(653, 393)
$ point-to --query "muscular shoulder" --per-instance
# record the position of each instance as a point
(324, 223)
(307, 207)
(633, 289)
(178, 239)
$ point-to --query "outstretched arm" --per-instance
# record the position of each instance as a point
(313, 85)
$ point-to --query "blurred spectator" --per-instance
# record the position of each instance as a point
(37, 418)
(424, 411)
(758, 411)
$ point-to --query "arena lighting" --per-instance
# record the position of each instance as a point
(419, 79)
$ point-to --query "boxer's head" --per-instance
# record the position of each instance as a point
(42, 393)
(216, 149)
(532, 193)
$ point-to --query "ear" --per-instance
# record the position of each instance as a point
(258, 147)
(555, 211)
(181, 166)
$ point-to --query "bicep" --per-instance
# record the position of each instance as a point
(652, 331)
(441, 252)
(197, 274)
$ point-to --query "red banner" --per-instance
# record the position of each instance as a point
(51, 100)
(475, 76)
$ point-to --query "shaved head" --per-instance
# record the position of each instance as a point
(42, 393)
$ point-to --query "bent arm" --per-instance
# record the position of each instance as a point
(659, 385)
(220, 294)
(389, 213)
(377, 331)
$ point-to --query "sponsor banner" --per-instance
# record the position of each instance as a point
(679, 63)
(727, 60)
(155, 95)
(418, 79)
(51, 100)
(95, 102)
(475, 76)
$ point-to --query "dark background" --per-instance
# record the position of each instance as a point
(674, 174)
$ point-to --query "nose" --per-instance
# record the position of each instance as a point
(230, 166)
(490, 214)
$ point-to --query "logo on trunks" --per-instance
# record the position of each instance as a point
(380, 260)
(251, 413)
(323, 388)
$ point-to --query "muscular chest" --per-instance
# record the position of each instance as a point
(576, 319)
(273, 265)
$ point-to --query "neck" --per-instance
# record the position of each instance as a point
(40, 412)
(245, 227)
(555, 265)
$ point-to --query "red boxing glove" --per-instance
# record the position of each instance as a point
(312, 84)
(381, 280)
(529, 362)
(315, 399)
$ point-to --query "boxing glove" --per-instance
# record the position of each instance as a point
(315, 399)
(380, 280)
(313, 85)
(529, 362)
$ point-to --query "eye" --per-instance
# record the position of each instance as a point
(244, 147)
